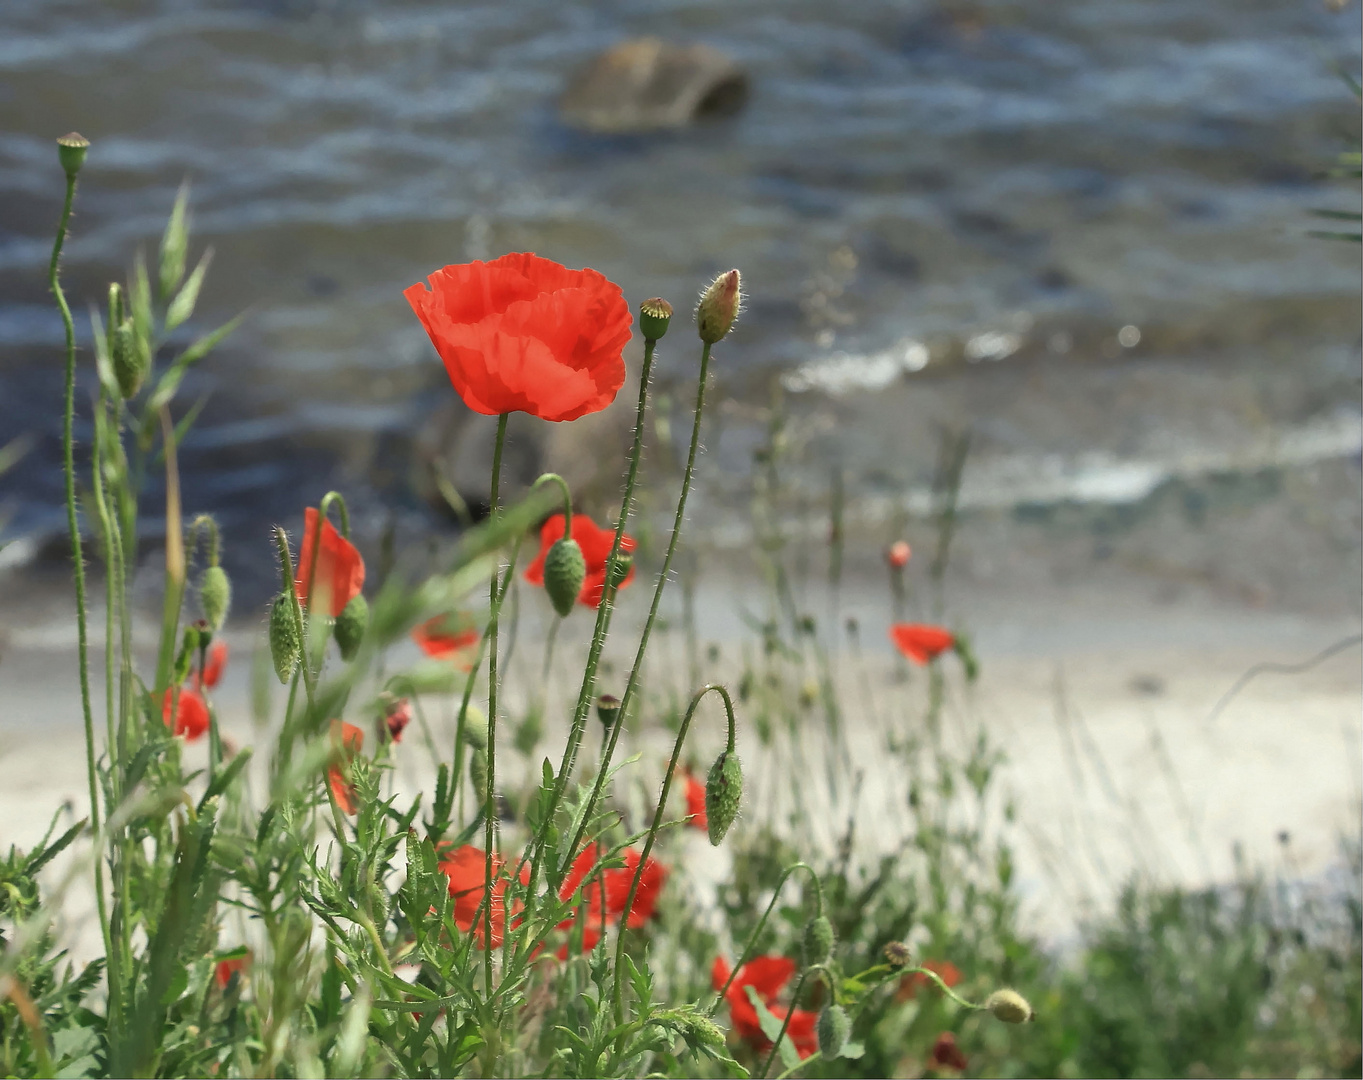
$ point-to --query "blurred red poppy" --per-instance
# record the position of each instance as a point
(591, 937)
(213, 666)
(914, 981)
(596, 549)
(921, 643)
(768, 976)
(338, 575)
(695, 803)
(191, 713)
(449, 637)
(466, 869)
(348, 739)
(225, 969)
(397, 717)
(525, 334)
(898, 554)
(946, 1054)
(615, 883)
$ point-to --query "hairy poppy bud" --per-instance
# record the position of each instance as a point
(723, 792)
(898, 955)
(834, 1027)
(703, 1030)
(1009, 1006)
(619, 568)
(215, 596)
(478, 774)
(475, 729)
(718, 307)
(654, 315)
(284, 645)
(608, 710)
(71, 153)
(127, 359)
(565, 570)
(351, 624)
(817, 943)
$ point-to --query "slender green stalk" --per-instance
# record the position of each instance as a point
(110, 586)
(762, 922)
(635, 671)
(490, 795)
(785, 1022)
(175, 559)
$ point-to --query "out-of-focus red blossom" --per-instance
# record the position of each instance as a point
(946, 1054)
(591, 937)
(225, 969)
(898, 554)
(525, 334)
(466, 869)
(615, 883)
(695, 803)
(768, 976)
(348, 739)
(397, 717)
(448, 637)
(921, 643)
(190, 718)
(213, 665)
(596, 549)
(914, 981)
(338, 575)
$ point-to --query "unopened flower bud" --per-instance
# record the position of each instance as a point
(723, 792)
(478, 774)
(127, 360)
(351, 624)
(215, 596)
(898, 955)
(718, 308)
(618, 568)
(834, 1027)
(475, 731)
(564, 572)
(608, 710)
(654, 316)
(897, 554)
(284, 645)
(71, 153)
(1009, 1006)
(817, 941)
(704, 1030)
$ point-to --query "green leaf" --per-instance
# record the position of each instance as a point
(182, 307)
(171, 379)
(771, 1028)
(224, 778)
(40, 859)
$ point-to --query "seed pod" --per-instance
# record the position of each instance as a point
(71, 153)
(718, 307)
(608, 710)
(1009, 1006)
(619, 568)
(897, 954)
(215, 596)
(351, 624)
(834, 1027)
(723, 792)
(654, 315)
(564, 571)
(127, 359)
(284, 646)
(817, 941)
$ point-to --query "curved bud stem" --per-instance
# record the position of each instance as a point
(762, 922)
(205, 525)
(551, 477)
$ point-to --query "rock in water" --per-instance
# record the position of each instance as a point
(645, 84)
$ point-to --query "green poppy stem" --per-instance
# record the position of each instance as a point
(490, 795)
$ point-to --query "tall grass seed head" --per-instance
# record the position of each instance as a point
(1009, 1006)
(351, 624)
(565, 570)
(215, 596)
(654, 316)
(723, 793)
(719, 306)
(817, 941)
(71, 150)
(834, 1027)
(284, 645)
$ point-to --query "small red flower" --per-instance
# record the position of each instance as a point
(695, 803)
(191, 713)
(448, 637)
(946, 1054)
(348, 739)
(397, 717)
(596, 549)
(768, 976)
(524, 334)
(466, 869)
(921, 643)
(614, 883)
(225, 969)
(897, 554)
(914, 981)
(212, 669)
(338, 575)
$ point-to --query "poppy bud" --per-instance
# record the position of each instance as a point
(71, 153)
(718, 307)
(478, 774)
(128, 361)
(215, 596)
(654, 315)
(723, 792)
(608, 710)
(351, 624)
(897, 954)
(834, 1027)
(475, 734)
(564, 572)
(619, 568)
(1009, 1006)
(284, 645)
(817, 944)
(703, 1030)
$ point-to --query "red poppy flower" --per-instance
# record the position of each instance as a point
(768, 976)
(946, 1054)
(338, 575)
(396, 719)
(921, 643)
(524, 334)
(897, 554)
(614, 883)
(225, 969)
(596, 549)
(466, 869)
(191, 713)
(913, 982)
(348, 739)
(695, 803)
(213, 665)
(448, 637)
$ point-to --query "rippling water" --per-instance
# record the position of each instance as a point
(973, 199)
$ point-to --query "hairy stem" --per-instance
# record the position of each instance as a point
(490, 795)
